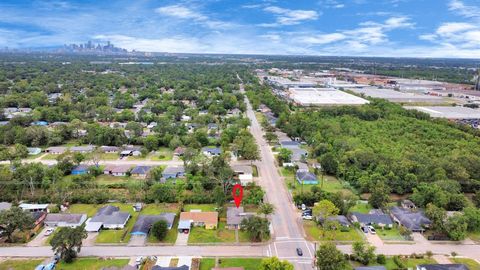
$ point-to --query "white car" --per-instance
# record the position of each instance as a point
(372, 230)
(49, 231)
(307, 217)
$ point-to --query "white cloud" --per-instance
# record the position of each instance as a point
(447, 29)
(456, 35)
(465, 10)
(290, 16)
(185, 13)
(322, 39)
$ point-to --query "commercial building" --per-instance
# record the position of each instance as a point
(323, 97)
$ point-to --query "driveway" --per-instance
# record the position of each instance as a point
(137, 240)
(39, 239)
(90, 240)
(182, 239)
(185, 260)
(163, 261)
(374, 239)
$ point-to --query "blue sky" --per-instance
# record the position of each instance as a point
(398, 28)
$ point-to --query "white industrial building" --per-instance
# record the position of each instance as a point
(324, 97)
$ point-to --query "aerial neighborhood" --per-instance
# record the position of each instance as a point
(234, 163)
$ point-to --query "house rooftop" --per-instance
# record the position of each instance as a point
(373, 218)
(141, 170)
(442, 267)
(145, 222)
(236, 215)
(66, 218)
(412, 220)
(110, 215)
(206, 217)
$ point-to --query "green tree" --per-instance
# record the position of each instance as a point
(15, 219)
(150, 142)
(472, 215)
(325, 209)
(274, 263)
(160, 229)
(68, 242)
(328, 257)
(437, 215)
(257, 228)
(329, 163)
(379, 195)
(266, 209)
(456, 227)
(363, 253)
(284, 155)
(219, 196)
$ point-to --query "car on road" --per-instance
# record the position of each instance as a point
(49, 231)
(299, 252)
(307, 217)
(372, 230)
(307, 212)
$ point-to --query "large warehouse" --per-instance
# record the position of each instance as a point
(448, 112)
(397, 96)
(324, 97)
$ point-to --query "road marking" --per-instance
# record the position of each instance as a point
(269, 250)
(276, 251)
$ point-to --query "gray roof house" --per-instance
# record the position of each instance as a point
(235, 216)
(382, 220)
(289, 144)
(415, 221)
(298, 154)
(145, 222)
(442, 267)
(56, 150)
(306, 178)
(65, 220)
(173, 172)
(108, 217)
(109, 149)
(83, 149)
(211, 151)
(140, 171)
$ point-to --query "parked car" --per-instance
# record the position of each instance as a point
(307, 217)
(49, 231)
(299, 252)
(304, 207)
(40, 267)
(364, 229)
(372, 230)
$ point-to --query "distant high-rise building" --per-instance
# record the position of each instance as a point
(477, 82)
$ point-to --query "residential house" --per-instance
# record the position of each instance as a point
(80, 169)
(192, 127)
(442, 267)
(173, 172)
(298, 154)
(186, 118)
(179, 151)
(107, 217)
(31, 207)
(38, 217)
(140, 171)
(83, 149)
(415, 221)
(243, 173)
(117, 170)
(212, 126)
(289, 144)
(65, 220)
(407, 204)
(56, 150)
(235, 216)
(341, 219)
(211, 151)
(209, 220)
(152, 125)
(144, 223)
(306, 178)
(302, 166)
(233, 112)
(109, 149)
(374, 219)
(32, 151)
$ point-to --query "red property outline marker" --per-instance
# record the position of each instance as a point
(237, 198)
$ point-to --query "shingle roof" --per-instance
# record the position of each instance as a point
(141, 170)
(145, 222)
(236, 215)
(306, 176)
(110, 215)
(373, 218)
(212, 150)
(65, 218)
(206, 217)
(289, 144)
(174, 170)
(411, 220)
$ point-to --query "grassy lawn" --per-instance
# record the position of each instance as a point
(162, 154)
(472, 264)
(109, 156)
(220, 235)
(203, 207)
(49, 157)
(34, 156)
(315, 233)
(91, 264)
(360, 207)
(115, 236)
(247, 263)
(207, 263)
(19, 264)
(137, 158)
(105, 179)
(475, 236)
(392, 234)
(89, 209)
(155, 209)
(254, 171)
(410, 263)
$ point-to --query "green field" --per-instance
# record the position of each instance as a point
(91, 264)
(220, 235)
(472, 264)
(162, 154)
(105, 179)
(203, 207)
(109, 156)
(246, 263)
(315, 233)
(360, 207)
(19, 264)
(89, 209)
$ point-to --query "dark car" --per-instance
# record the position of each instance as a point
(299, 252)
(365, 229)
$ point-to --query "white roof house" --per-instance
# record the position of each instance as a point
(33, 207)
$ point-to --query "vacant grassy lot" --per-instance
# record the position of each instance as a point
(92, 264)
(247, 263)
(109, 156)
(203, 207)
(155, 209)
(220, 235)
(472, 264)
(361, 207)
(19, 264)
(89, 209)
(162, 154)
(315, 233)
(105, 179)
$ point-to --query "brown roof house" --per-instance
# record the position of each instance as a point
(209, 220)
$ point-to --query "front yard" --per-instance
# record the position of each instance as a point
(392, 234)
(472, 264)
(220, 235)
(315, 233)
(246, 263)
(19, 264)
(92, 264)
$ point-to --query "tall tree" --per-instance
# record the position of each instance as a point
(328, 257)
(68, 242)
(274, 263)
(266, 209)
(257, 228)
(15, 219)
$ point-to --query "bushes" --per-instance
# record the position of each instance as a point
(381, 259)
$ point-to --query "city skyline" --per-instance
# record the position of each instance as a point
(396, 28)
